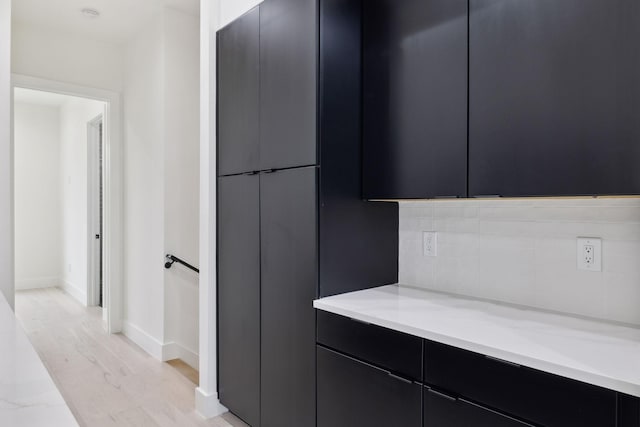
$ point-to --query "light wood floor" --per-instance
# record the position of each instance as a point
(106, 379)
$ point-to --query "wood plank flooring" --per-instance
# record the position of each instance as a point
(105, 379)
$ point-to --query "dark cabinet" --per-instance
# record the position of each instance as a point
(238, 95)
(382, 347)
(314, 235)
(554, 97)
(354, 394)
(288, 83)
(442, 410)
(288, 249)
(239, 295)
(536, 396)
(415, 98)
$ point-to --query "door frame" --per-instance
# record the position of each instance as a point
(93, 212)
(113, 187)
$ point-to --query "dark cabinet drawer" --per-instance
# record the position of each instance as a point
(441, 410)
(536, 396)
(391, 350)
(355, 394)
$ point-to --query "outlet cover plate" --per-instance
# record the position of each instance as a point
(430, 243)
(589, 252)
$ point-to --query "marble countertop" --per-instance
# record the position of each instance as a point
(599, 353)
(28, 396)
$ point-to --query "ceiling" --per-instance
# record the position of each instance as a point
(119, 19)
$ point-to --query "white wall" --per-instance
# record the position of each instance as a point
(6, 184)
(39, 52)
(38, 243)
(74, 116)
(232, 9)
(181, 203)
(524, 252)
(161, 182)
(144, 187)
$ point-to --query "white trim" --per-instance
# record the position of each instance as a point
(38, 283)
(208, 405)
(93, 211)
(156, 349)
(74, 291)
(173, 350)
(113, 187)
(148, 343)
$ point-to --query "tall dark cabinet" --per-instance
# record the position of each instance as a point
(238, 67)
(239, 269)
(288, 83)
(554, 97)
(294, 227)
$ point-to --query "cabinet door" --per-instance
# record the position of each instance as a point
(288, 69)
(238, 95)
(554, 97)
(441, 410)
(415, 98)
(289, 283)
(239, 295)
(354, 394)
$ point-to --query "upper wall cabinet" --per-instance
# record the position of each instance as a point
(554, 97)
(238, 94)
(415, 98)
(288, 83)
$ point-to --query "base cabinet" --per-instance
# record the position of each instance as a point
(364, 378)
(441, 410)
(355, 394)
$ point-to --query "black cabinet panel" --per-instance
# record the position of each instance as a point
(239, 296)
(441, 410)
(526, 393)
(415, 98)
(238, 92)
(388, 349)
(628, 411)
(288, 83)
(554, 97)
(354, 394)
(289, 282)
(359, 240)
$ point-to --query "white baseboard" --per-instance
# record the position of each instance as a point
(174, 350)
(74, 291)
(143, 339)
(208, 405)
(157, 350)
(38, 283)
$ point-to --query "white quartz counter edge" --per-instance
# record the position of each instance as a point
(28, 396)
(598, 353)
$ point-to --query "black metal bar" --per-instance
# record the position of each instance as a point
(173, 258)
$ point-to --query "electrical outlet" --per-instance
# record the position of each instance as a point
(589, 254)
(430, 243)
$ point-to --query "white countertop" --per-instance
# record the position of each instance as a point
(28, 396)
(599, 353)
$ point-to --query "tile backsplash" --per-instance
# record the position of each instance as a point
(524, 251)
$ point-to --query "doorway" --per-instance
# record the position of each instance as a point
(90, 186)
(95, 190)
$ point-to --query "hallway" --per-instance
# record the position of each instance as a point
(105, 379)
